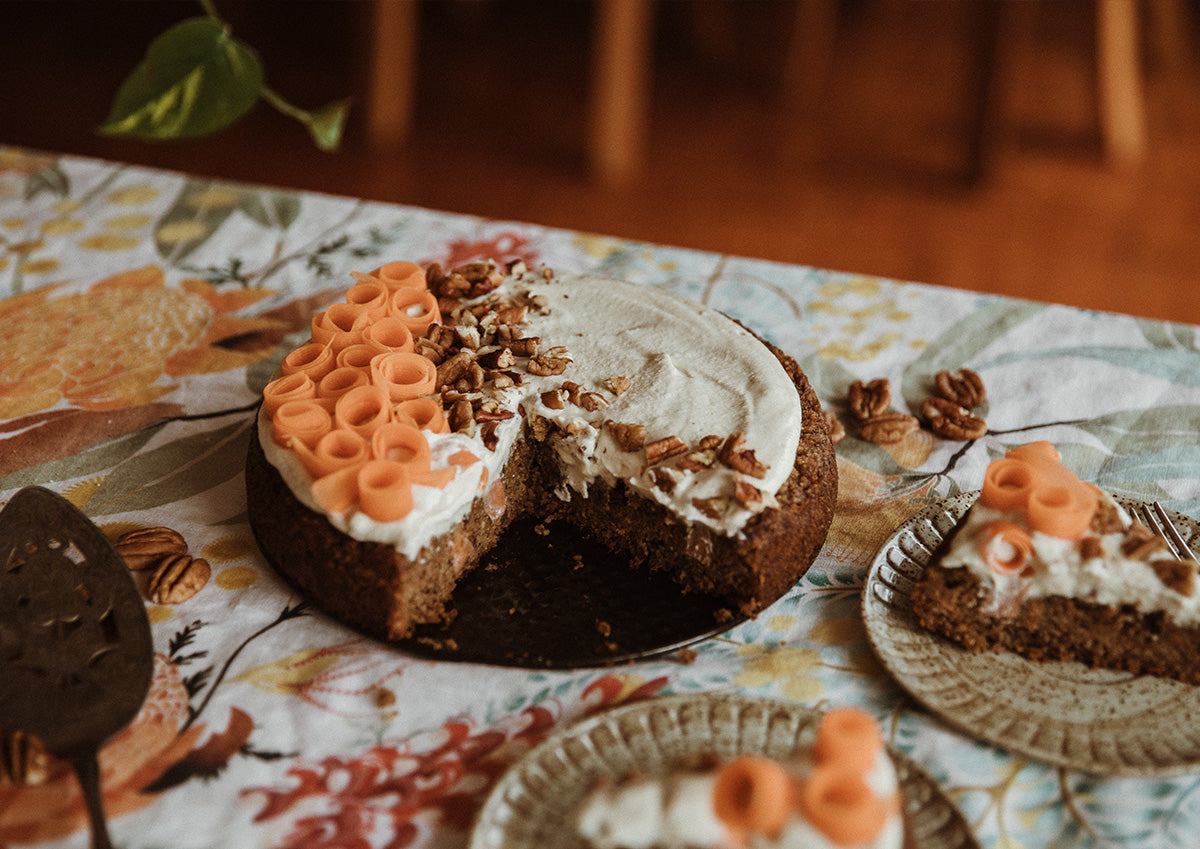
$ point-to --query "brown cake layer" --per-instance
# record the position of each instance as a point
(373, 588)
(947, 602)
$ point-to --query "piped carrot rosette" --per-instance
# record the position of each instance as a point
(754, 795)
(355, 402)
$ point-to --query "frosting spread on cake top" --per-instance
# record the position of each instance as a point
(632, 383)
(1038, 531)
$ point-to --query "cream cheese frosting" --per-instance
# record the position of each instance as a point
(677, 811)
(1105, 574)
(692, 372)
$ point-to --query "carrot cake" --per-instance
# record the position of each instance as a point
(430, 409)
(1052, 568)
(842, 793)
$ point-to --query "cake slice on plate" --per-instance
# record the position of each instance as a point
(1052, 568)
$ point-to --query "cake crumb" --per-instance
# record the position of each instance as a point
(688, 656)
(603, 628)
(541, 530)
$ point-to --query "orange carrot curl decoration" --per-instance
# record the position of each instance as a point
(352, 403)
(1005, 547)
(837, 800)
(1032, 478)
(754, 795)
(848, 736)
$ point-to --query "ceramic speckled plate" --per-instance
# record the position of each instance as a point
(532, 804)
(1066, 714)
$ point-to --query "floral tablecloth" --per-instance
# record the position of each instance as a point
(143, 311)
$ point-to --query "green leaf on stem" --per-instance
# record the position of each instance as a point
(326, 125)
(195, 79)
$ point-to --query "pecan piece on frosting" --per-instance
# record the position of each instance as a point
(616, 385)
(734, 454)
(871, 399)
(177, 579)
(664, 449)
(630, 437)
(963, 386)
(1178, 575)
(145, 547)
(945, 418)
(710, 507)
(748, 495)
(888, 428)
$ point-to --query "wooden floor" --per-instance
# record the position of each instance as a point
(870, 182)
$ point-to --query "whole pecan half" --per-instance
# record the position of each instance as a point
(888, 428)
(871, 399)
(177, 579)
(945, 418)
(963, 386)
(145, 547)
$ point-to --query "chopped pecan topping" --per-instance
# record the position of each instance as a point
(488, 433)
(697, 461)
(491, 411)
(454, 369)
(616, 385)
(710, 442)
(871, 399)
(963, 387)
(553, 398)
(888, 428)
(664, 449)
(664, 478)
(501, 358)
(945, 418)
(1141, 543)
(630, 437)
(1089, 548)
(430, 350)
(710, 507)
(572, 389)
(178, 578)
(1106, 519)
(592, 401)
(145, 547)
(736, 456)
(1177, 575)
(545, 364)
(525, 346)
(461, 417)
(748, 495)
(467, 337)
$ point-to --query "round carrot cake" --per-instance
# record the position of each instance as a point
(432, 408)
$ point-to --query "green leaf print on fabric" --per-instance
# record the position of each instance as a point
(198, 211)
(175, 471)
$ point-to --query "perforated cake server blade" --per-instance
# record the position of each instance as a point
(76, 654)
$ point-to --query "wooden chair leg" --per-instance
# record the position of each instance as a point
(620, 97)
(1119, 78)
(392, 84)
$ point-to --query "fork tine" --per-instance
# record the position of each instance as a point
(1160, 523)
(1182, 549)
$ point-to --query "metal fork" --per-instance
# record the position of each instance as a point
(1156, 519)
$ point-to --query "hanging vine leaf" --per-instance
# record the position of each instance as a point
(195, 79)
